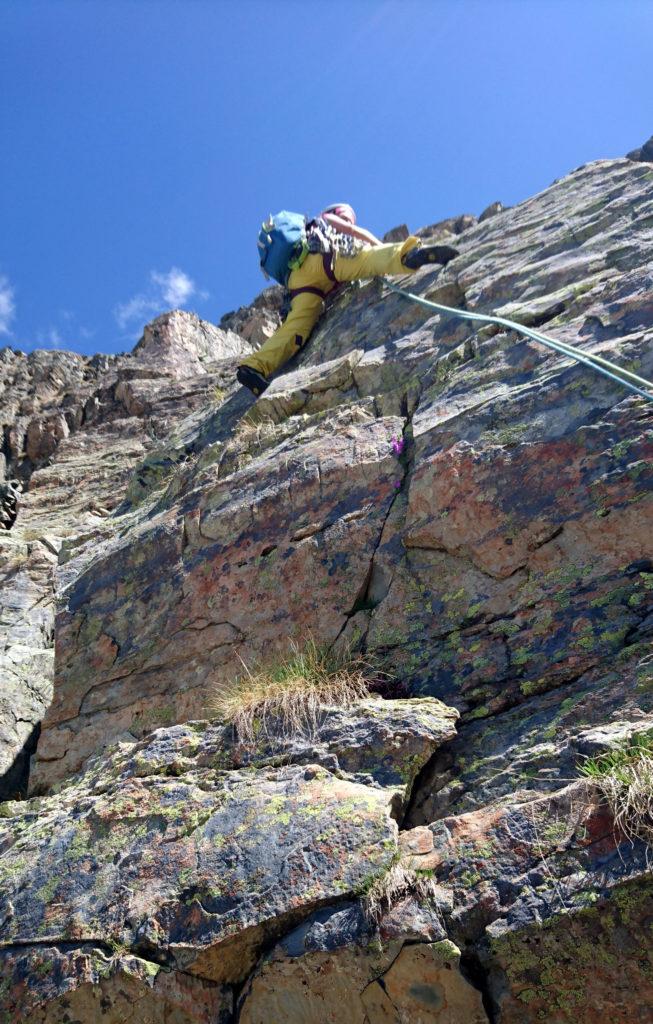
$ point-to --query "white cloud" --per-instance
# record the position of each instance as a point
(7, 306)
(176, 286)
(167, 291)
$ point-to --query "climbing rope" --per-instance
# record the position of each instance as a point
(597, 363)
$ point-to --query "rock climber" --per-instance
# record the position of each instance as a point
(311, 259)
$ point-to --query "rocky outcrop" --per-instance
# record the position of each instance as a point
(182, 852)
(182, 345)
(491, 211)
(445, 229)
(467, 510)
(74, 429)
(26, 652)
(397, 234)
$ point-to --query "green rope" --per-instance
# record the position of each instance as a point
(597, 363)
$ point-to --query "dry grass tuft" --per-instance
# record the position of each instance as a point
(397, 884)
(624, 776)
(254, 428)
(288, 698)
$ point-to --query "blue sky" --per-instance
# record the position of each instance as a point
(143, 141)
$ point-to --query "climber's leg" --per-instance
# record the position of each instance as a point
(374, 261)
(287, 340)
(379, 260)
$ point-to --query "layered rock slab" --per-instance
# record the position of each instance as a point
(373, 742)
(233, 569)
(541, 742)
(551, 903)
(595, 965)
(26, 653)
(190, 852)
(87, 983)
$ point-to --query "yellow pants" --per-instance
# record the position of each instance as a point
(305, 308)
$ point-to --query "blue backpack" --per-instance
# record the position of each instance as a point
(282, 245)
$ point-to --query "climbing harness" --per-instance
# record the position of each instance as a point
(597, 363)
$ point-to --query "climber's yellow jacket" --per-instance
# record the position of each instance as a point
(310, 284)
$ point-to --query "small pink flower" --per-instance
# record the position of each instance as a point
(397, 484)
(397, 445)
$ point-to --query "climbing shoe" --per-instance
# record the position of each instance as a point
(421, 255)
(252, 379)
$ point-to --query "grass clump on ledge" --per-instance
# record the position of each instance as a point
(624, 776)
(395, 884)
(288, 697)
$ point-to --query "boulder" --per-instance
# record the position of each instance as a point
(43, 436)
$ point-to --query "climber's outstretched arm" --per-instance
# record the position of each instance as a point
(351, 229)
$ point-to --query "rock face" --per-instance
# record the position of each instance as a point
(333, 962)
(186, 847)
(470, 511)
(74, 429)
